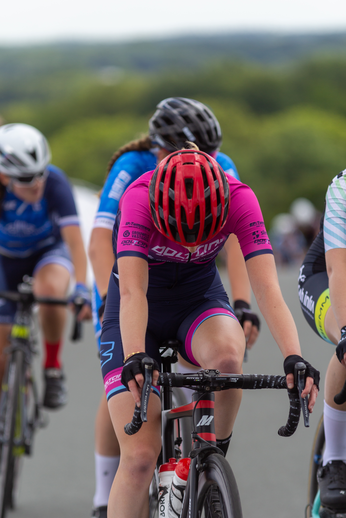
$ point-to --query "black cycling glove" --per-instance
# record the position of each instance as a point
(243, 313)
(341, 347)
(134, 366)
(310, 372)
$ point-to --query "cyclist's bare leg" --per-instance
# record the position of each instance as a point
(5, 330)
(219, 343)
(52, 280)
(107, 454)
(334, 381)
(334, 415)
(106, 442)
(336, 373)
(129, 493)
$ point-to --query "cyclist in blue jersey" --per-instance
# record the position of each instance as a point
(39, 237)
(175, 121)
(322, 288)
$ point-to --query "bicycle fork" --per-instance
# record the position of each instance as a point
(204, 443)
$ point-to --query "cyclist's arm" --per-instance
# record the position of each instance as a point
(336, 268)
(133, 285)
(72, 236)
(334, 224)
(266, 288)
(239, 282)
(238, 277)
(101, 257)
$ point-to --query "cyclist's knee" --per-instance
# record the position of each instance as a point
(224, 356)
(230, 363)
(140, 459)
(51, 281)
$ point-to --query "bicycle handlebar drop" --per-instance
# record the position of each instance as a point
(213, 380)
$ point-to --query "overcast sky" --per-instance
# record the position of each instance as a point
(40, 21)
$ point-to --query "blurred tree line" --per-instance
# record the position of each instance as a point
(284, 126)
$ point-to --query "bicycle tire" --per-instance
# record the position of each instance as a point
(218, 495)
(7, 461)
(315, 460)
(179, 399)
(154, 496)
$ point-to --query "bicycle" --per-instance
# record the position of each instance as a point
(313, 507)
(20, 408)
(211, 490)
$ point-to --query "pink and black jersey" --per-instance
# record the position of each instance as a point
(136, 235)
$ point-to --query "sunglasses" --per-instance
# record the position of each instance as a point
(29, 179)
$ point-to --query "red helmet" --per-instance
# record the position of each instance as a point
(189, 197)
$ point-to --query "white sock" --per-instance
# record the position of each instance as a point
(335, 432)
(105, 470)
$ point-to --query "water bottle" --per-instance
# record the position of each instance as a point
(176, 494)
(166, 472)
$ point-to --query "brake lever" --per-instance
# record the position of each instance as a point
(299, 378)
(148, 364)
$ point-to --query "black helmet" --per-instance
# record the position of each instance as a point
(178, 120)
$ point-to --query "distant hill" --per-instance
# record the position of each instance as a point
(162, 54)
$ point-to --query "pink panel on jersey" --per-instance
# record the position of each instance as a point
(204, 316)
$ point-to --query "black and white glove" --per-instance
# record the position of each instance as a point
(133, 366)
(310, 372)
(341, 347)
(243, 313)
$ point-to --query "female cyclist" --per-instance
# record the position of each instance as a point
(171, 224)
(176, 120)
(322, 288)
(39, 237)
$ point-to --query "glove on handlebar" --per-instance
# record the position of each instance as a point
(243, 313)
(134, 366)
(81, 295)
(310, 372)
(341, 347)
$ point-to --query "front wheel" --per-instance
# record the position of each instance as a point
(154, 496)
(313, 507)
(218, 495)
(9, 406)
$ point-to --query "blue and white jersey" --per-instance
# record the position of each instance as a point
(26, 228)
(334, 225)
(227, 164)
(125, 170)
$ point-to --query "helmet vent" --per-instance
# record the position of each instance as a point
(187, 119)
(173, 175)
(168, 121)
(189, 187)
(33, 154)
(13, 159)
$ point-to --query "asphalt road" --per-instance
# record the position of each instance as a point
(58, 480)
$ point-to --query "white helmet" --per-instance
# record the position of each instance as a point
(283, 224)
(24, 151)
(304, 212)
